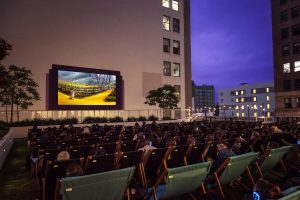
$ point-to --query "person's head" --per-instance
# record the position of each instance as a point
(63, 155)
(266, 189)
(74, 169)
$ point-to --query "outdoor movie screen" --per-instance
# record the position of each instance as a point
(81, 88)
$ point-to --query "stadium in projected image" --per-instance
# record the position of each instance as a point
(80, 88)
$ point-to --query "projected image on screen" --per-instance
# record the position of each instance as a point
(80, 88)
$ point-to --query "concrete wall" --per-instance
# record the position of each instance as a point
(124, 35)
(5, 146)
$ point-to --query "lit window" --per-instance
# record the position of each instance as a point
(242, 92)
(177, 88)
(242, 107)
(237, 114)
(268, 98)
(236, 107)
(268, 114)
(255, 107)
(176, 47)
(254, 98)
(236, 100)
(267, 90)
(242, 99)
(176, 25)
(175, 5)
(166, 3)
(243, 114)
(176, 69)
(236, 93)
(268, 106)
(286, 68)
(255, 114)
(166, 23)
(253, 91)
(297, 66)
(166, 45)
(167, 68)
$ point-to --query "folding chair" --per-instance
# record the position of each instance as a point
(92, 140)
(54, 171)
(177, 157)
(292, 193)
(196, 153)
(129, 146)
(180, 181)
(108, 185)
(232, 168)
(68, 143)
(99, 164)
(109, 148)
(270, 159)
(81, 151)
(110, 139)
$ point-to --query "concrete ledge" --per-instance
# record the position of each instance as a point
(5, 146)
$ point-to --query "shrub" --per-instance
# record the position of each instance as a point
(152, 118)
(91, 120)
(116, 119)
(44, 122)
(142, 118)
(131, 119)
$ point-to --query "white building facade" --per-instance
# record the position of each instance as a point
(247, 100)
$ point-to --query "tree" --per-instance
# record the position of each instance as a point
(4, 77)
(21, 89)
(5, 49)
(166, 97)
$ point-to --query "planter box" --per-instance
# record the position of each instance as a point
(5, 145)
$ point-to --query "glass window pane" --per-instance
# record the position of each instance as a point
(166, 3)
(286, 68)
(176, 68)
(175, 5)
(166, 23)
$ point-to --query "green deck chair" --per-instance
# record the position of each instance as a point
(292, 193)
(108, 185)
(179, 181)
(232, 168)
(271, 159)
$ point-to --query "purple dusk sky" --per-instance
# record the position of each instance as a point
(231, 42)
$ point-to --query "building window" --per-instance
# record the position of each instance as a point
(167, 68)
(176, 69)
(254, 99)
(297, 84)
(166, 23)
(296, 66)
(268, 114)
(236, 93)
(267, 90)
(167, 45)
(287, 103)
(286, 68)
(295, 12)
(253, 91)
(255, 107)
(242, 99)
(243, 114)
(237, 114)
(236, 107)
(268, 106)
(242, 107)
(176, 25)
(285, 50)
(284, 16)
(282, 2)
(296, 48)
(242, 92)
(297, 102)
(175, 5)
(221, 94)
(177, 88)
(255, 114)
(284, 33)
(236, 100)
(176, 47)
(286, 85)
(166, 3)
(296, 29)
(268, 98)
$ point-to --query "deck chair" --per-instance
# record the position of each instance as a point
(99, 164)
(128, 137)
(54, 171)
(92, 140)
(154, 162)
(292, 193)
(177, 157)
(81, 151)
(232, 168)
(270, 159)
(196, 153)
(108, 148)
(129, 146)
(110, 139)
(179, 181)
(108, 185)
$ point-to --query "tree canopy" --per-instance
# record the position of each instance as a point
(166, 97)
(5, 49)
